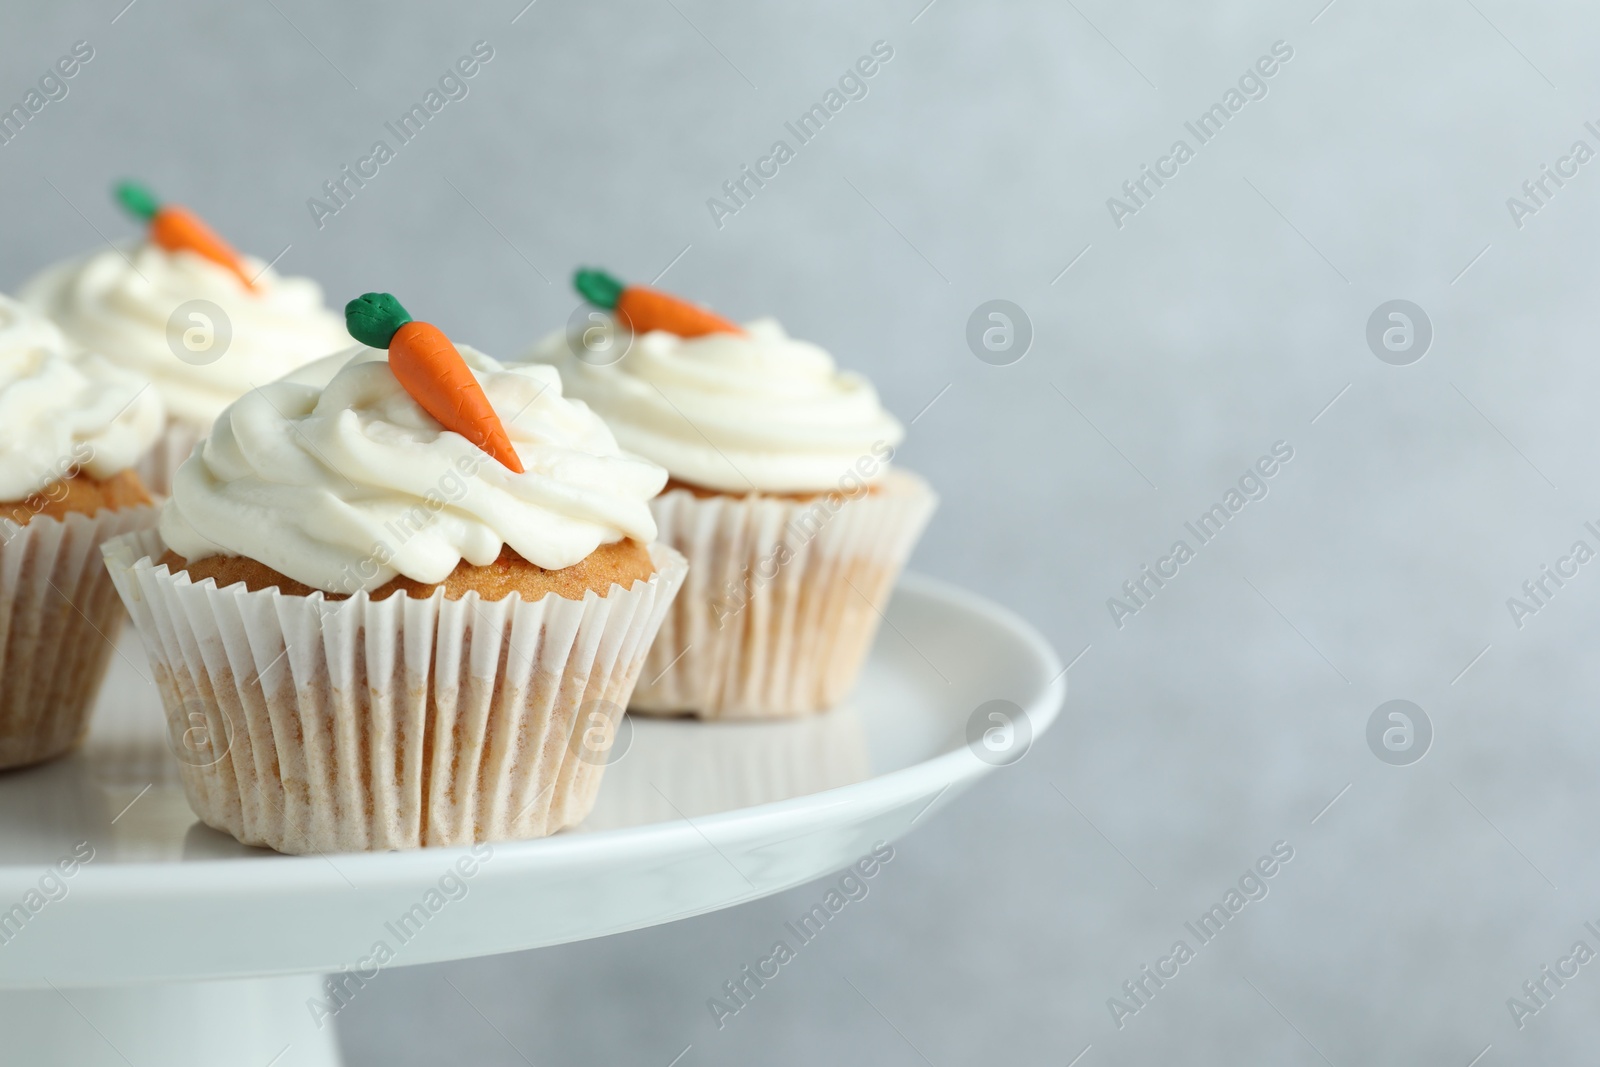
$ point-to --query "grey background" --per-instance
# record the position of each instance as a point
(1221, 318)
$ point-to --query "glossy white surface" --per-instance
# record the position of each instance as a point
(692, 818)
(185, 1024)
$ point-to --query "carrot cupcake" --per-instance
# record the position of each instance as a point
(401, 604)
(185, 310)
(781, 496)
(71, 428)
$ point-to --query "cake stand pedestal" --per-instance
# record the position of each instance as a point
(171, 945)
(257, 1021)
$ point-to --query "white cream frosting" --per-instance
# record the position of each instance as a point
(759, 412)
(118, 301)
(343, 486)
(61, 410)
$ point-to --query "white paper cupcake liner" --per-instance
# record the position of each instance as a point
(310, 725)
(783, 597)
(158, 465)
(59, 617)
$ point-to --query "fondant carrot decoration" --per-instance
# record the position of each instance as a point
(177, 229)
(641, 309)
(432, 371)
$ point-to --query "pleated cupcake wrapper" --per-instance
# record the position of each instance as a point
(783, 597)
(157, 466)
(59, 617)
(310, 725)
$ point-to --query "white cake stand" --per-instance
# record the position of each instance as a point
(174, 946)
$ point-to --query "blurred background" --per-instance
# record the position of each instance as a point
(1170, 343)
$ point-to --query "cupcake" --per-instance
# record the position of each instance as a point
(181, 308)
(781, 496)
(72, 425)
(400, 605)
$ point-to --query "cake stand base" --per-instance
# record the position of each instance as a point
(140, 965)
(249, 1023)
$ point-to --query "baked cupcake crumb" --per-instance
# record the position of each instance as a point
(703, 493)
(620, 563)
(80, 493)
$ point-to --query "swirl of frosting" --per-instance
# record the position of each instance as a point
(758, 412)
(343, 486)
(118, 302)
(62, 411)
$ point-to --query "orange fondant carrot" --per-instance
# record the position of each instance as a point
(432, 371)
(177, 229)
(642, 309)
